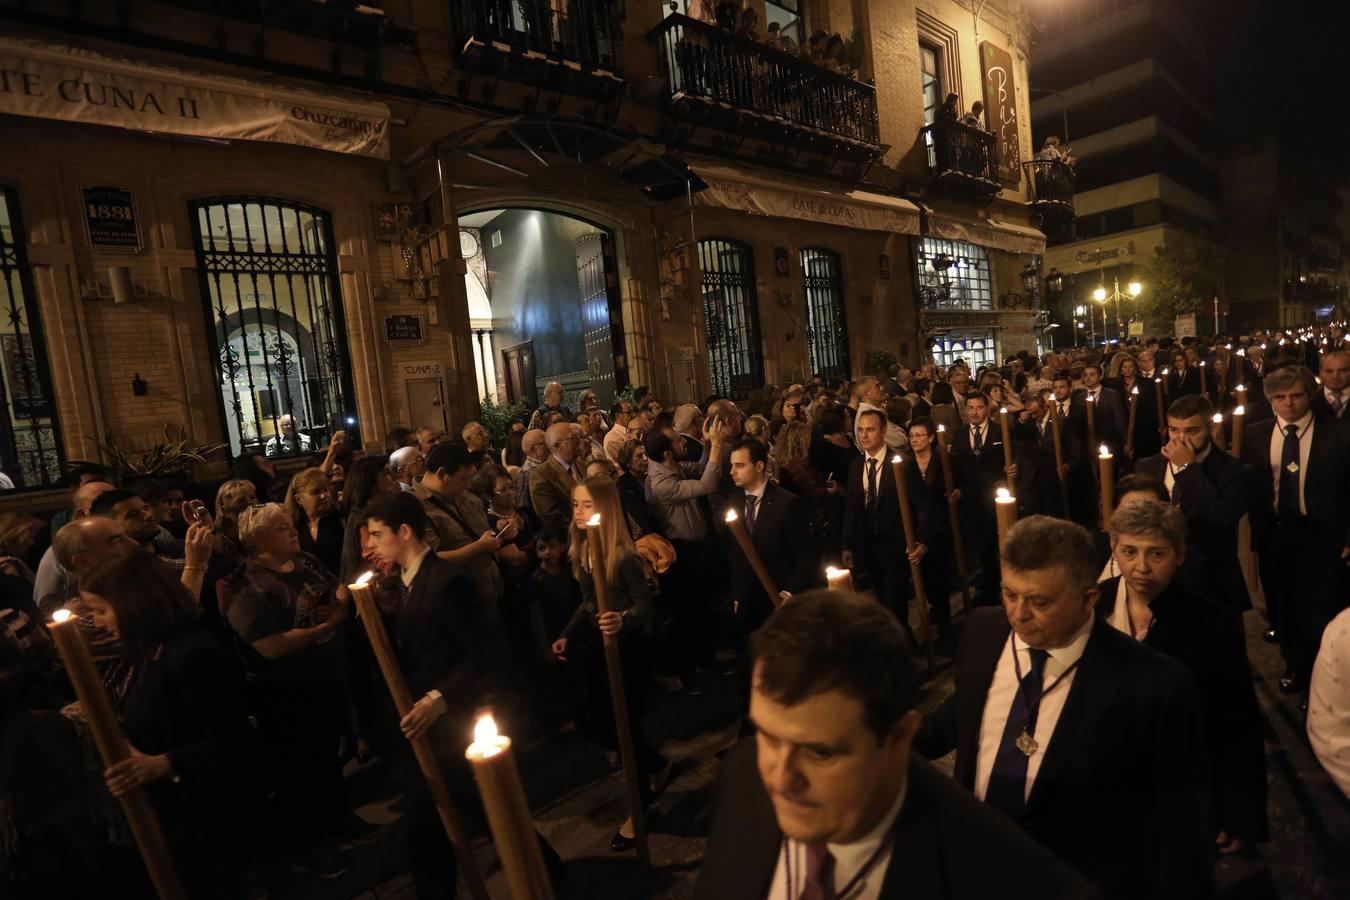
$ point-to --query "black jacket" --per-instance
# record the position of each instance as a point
(1207, 639)
(1037, 481)
(1188, 381)
(1109, 418)
(983, 471)
(1122, 792)
(782, 538)
(878, 538)
(1326, 484)
(1214, 495)
(947, 846)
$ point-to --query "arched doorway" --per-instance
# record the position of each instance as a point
(543, 304)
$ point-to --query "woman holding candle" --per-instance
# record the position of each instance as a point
(939, 562)
(630, 616)
(185, 718)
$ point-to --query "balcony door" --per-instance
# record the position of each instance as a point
(731, 317)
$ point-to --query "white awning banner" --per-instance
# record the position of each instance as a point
(986, 233)
(74, 84)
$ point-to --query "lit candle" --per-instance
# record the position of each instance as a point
(1167, 385)
(1241, 394)
(1239, 413)
(1204, 382)
(944, 443)
(617, 696)
(1007, 439)
(911, 543)
(1005, 505)
(508, 815)
(1217, 430)
(1162, 414)
(112, 747)
(737, 529)
(1059, 458)
(1105, 477)
(1129, 429)
(1091, 419)
(839, 579)
(363, 597)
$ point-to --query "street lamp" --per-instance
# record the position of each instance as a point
(1133, 290)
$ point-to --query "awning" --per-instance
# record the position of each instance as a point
(803, 200)
(984, 232)
(77, 84)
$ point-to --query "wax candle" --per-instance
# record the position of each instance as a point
(911, 543)
(1129, 429)
(839, 579)
(1005, 506)
(1105, 477)
(1216, 430)
(738, 531)
(944, 443)
(1007, 437)
(1162, 413)
(1239, 415)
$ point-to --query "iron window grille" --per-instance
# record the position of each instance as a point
(731, 317)
(954, 275)
(270, 288)
(976, 347)
(826, 331)
(31, 454)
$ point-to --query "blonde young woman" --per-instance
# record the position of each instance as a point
(581, 643)
(309, 500)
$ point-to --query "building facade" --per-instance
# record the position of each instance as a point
(365, 216)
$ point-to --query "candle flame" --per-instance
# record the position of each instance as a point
(1241, 352)
(1091, 398)
(1135, 389)
(61, 616)
(485, 731)
(1003, 495)
(731, 516)
(897, 458)
(1104, 452)
(1167, 371)
(593, 521)
(941, 429)
(1003, 410)
(1202, 363)
(1218, 419)
(833, 574)
(366, 577)
(1157, 381)
(1242, 388)
(1228, 346)
(1240, 411)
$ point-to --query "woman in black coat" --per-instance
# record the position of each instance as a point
(939, 563)
(185, 718)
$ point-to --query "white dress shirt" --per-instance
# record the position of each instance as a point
(1120, 615)
(1002, 690)
(983, 432)
(410, 572)
(882, 457)
(1329, 702)
(1305, 439)
(848, 861)
(1170, 471)
(1342, 395)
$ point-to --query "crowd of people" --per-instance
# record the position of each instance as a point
(829, 51)
(1128, 756)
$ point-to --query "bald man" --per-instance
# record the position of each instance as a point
(535, 447)
(289, 440)
(408, 464)
(1334, 397)
(54, 583)
(552, 481)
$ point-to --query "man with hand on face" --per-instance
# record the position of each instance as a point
(829, 802)
(1301, 517)
(408, 465)
(441, 636)
(1213, 490)
(1089, 741)
(1149, 603)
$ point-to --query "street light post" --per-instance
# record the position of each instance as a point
(1133, 290)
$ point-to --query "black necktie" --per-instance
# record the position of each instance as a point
(1063, 408)
(977, 442)
(1288, 503)
(871, 482)
(1008, 781)
(751, 502)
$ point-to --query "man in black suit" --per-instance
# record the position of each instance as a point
(1038, 490)
(1213, 489)
(828, 801)
(1089, 741)
(874, 536)
(1149, 602)
(1072, 411)
(1334, 398)
(1301, 517)
(442, 637)
(1109, 415)
(978, 447)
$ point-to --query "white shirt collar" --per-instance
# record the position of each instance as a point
(849, 858)
(1071, 652)
(411, 571)
(1302, 423)
(758, 493)
(879, 455)
(566, 467)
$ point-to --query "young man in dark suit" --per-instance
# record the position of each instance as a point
(1038, 489)
(1333, 400)
(1301, 518)
(1149, 602)
(442, 636)
(1109, 415)
(1089, 741)
(1213, 490)
(828, 800)
(1072, 411)
(978, 448)
(874, 536)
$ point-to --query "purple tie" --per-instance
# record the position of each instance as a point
(819, 874)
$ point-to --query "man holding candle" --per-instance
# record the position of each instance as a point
(1089, 741)
(828, 801)
(1301, 521)
(979, 453)
(441, 635)
(1109, 409)
(1213, 490)
(775, 521)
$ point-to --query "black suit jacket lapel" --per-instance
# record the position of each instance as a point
(916, 867)
(1094, 688)
(979, 666)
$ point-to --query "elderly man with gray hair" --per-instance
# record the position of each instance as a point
(1149, 602)
(1089, 741)
(688, 422)
(408, 464)
(535, 447)
(552, 481)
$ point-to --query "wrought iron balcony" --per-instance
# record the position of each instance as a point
(715, 73)
(961, 160)
(578, 36)
(1050, 192)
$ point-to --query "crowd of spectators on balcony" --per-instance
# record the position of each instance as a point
(829, 51)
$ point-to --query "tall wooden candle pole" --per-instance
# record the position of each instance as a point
(1239, 416)
(1105, 477)
(369, 613)
(1005, 508)
(1204, 382)
(113, 749)
(1162, 412)
(911, 542)
(1059, 457)
(1007, 443)
(839, 579)
(737, 529)
(1167, 383)
(617, 696)
(1241, 390)
(1217, 431)
(1129, 429)
(949, 481)
(1091, 422)
(508, 813)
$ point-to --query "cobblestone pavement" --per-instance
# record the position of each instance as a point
(578, 805)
